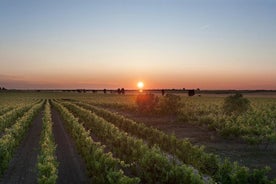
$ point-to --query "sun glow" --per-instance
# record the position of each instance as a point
(140, 85)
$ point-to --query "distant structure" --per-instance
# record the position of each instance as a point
(191, 92)
(163, 92)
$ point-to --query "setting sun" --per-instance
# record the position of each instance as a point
(140, 85)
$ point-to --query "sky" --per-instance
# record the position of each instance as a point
(206, 44)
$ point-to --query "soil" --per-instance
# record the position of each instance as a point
(22, 168)
(71, 167)
(232, 148)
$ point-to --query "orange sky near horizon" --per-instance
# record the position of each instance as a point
(188, 81)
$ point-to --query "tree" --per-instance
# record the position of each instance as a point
(119, 91)
(236, 104)
(147, 103)
(123, 91)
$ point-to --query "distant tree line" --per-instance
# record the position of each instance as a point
(2, 89)
(122, 91)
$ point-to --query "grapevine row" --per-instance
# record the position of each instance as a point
(222, 171)
(10, 117)
(14, 135)
(3, 110)
(256, 126)
(47, 162)
(102, 167)
(150, 164)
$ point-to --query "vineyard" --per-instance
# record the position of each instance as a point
(71, 137)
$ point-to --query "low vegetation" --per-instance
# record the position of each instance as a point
(14, 135)
(47, 162)
(117, 149)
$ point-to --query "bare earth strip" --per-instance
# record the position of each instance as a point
(22, 167)
(71, 167)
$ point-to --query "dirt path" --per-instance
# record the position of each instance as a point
(22, 167)
(71, 167)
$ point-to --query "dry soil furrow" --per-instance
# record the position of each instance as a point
(71, 167)
(22, 167)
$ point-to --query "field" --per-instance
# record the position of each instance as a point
(69, 137)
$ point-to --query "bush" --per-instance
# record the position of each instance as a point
(236, 104)
(170, 104)
(147, 103)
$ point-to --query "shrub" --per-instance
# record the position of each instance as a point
(146, 103)
(236, 104)
(170, 104)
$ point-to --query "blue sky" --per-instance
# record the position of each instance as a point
(106, 44)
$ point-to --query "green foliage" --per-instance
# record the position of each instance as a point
(47, 162)
(150, 103)
(147, 103)
(236, 104)
(233, 173)
(13, 136)
(170, 104)
(134, 142)
(183, 149)
(11, 116)
(222, 171)
(150, 164)
(205, 120)
(102, 167)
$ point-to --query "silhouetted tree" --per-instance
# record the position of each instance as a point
(236, 104)
(147, 103)
(119, 91)
(104, 91)
(123, 91)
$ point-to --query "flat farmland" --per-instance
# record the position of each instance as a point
(70, 137)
